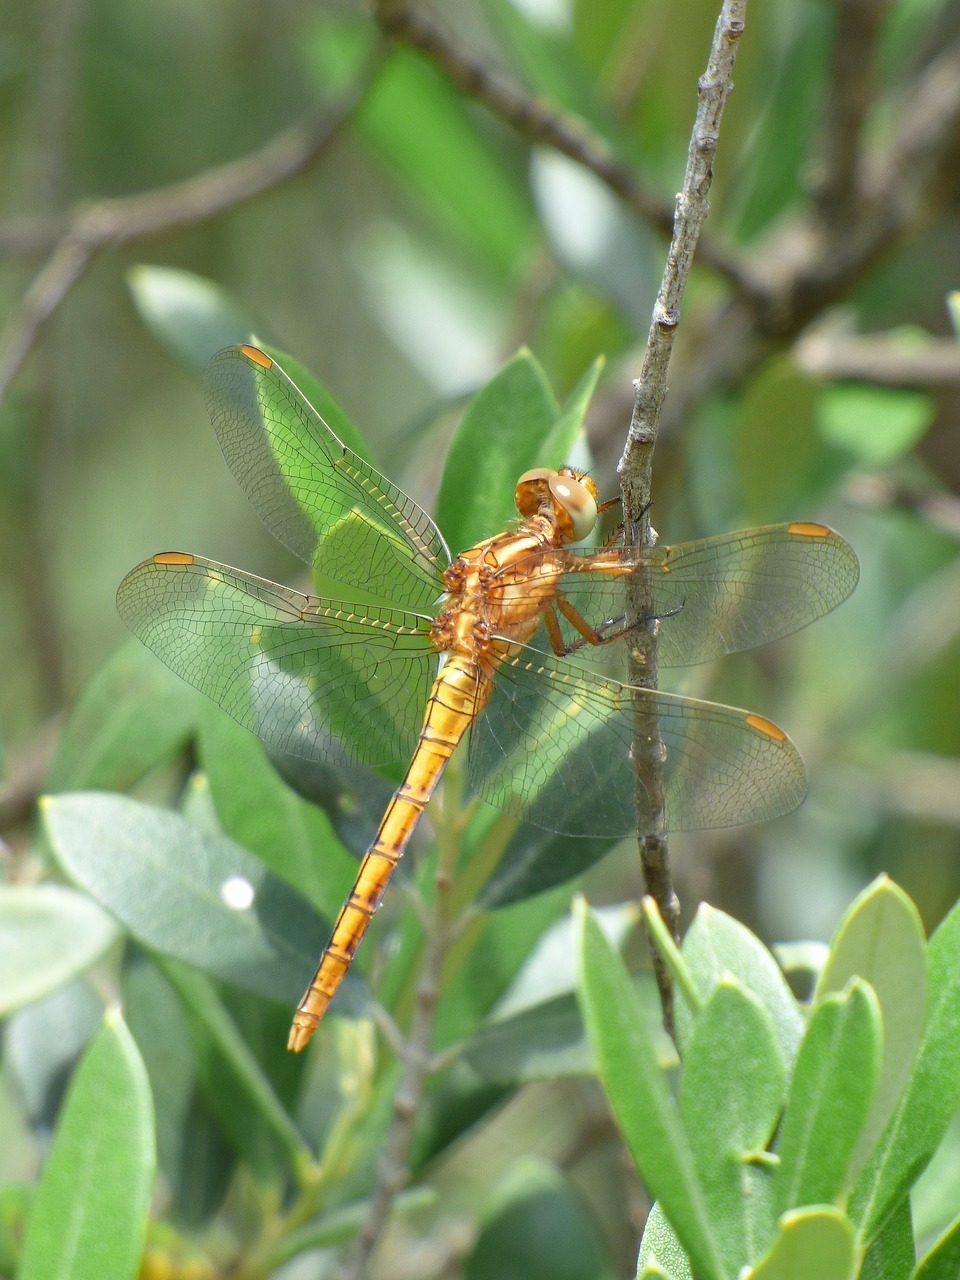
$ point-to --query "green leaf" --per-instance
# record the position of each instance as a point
(172, 885)
(35, 920)
(942, 1262)
(769, 179)
(953, 307)
(880, 938)
(546, 1042)
(877, 425)
(936, 1194)
(715, 945)
(329, 408)
(731, 1096)
(156, 1019)
(132, 716)
(771, 465)
(535, 860)
(188, 314)
(537, 1227)
(661, 1253)
(810, 1243)
(234, 1056)
(891, 1254)
(638, 1095)
(831, 1092)
(260, 812)
(90, 1214)
(423, 129)
(568, 429)
(931, 1096)
(499, 437)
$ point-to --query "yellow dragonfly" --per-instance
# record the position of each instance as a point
(422, 647)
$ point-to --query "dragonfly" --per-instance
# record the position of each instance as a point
(415, 649)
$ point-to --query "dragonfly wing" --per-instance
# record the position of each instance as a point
(717, 595)
(313, 678)
(553, 747)
(319, 498)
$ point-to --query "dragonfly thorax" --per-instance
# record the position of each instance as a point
(567, 496)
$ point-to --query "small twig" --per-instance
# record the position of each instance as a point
(92, 228)
(849, 97)
(939, 509)
(537, 120)
(880, 359)
(635, 465)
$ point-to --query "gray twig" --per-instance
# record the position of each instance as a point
(539, 121)
(635, 465)
(89, 229)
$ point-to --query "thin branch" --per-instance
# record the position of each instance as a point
(89, 229)
(635, 465)
(849, 97)
(880, 359)
(905, 187)
(540, 122)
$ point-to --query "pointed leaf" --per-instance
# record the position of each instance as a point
(661, 1254)
(498, 439)
(188, 314)
(880, 938)
(90, 1213)
(932, 1092)
(639, 1097)
(830, 1094)
(716, 944)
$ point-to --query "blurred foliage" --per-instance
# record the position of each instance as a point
(404, 267)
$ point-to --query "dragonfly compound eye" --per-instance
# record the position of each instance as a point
(577, 503)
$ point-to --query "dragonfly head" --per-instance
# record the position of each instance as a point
(567, 496)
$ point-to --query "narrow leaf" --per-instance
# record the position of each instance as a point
(90, 1214)
(932, 1092)
(830, 1094)
(731, 1096)
(880, 938)
(942, 1262)
(639, 1097)
(661, 1254)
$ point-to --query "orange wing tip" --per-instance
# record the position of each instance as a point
(173, 557)
(766, 727)
(257, 356)
(807, 529)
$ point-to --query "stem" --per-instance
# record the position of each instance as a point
(635, 466)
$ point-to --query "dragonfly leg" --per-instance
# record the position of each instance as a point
(589, 635)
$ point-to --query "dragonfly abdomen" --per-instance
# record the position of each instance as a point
(456, 699)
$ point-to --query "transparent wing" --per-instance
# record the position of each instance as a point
(553, 747)
(314, 494)
(313, 678)
(717, 595)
